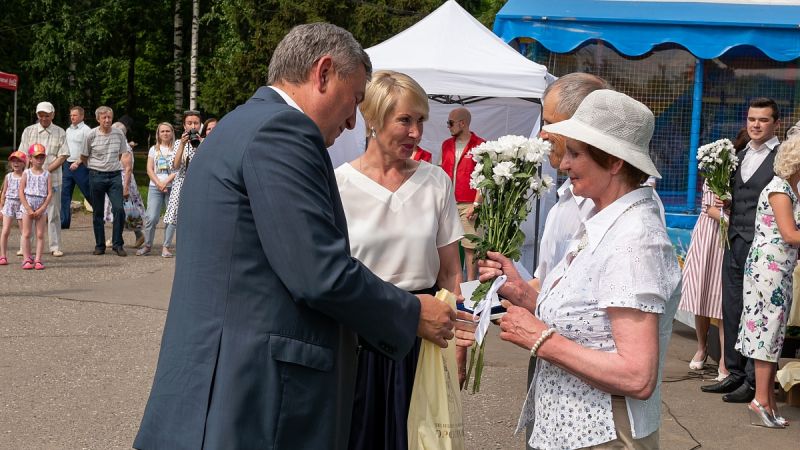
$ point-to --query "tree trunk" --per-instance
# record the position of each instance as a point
(177, 43)
(193, 57)
(131, 109)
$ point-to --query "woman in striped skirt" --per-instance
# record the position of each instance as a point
(701, 294)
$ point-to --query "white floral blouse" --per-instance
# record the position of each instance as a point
(623, 259)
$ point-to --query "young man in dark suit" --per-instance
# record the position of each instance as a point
(755, 171)
(267, 307)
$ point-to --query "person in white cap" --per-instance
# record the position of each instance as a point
(602, 322)
(54, 139)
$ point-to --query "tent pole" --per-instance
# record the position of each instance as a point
(694, 139)
(15, 122)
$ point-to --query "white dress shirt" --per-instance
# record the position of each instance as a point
(76, 140)
(755, 156)
(562, 222)
(624, 259)
(289, 100)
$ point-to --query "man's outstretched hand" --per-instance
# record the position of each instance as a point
(436, 320)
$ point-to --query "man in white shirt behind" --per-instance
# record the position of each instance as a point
(559, 102)
(74, 172)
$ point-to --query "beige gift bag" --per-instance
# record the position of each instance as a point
(434, 418)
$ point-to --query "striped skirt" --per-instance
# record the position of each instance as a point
(702, 271)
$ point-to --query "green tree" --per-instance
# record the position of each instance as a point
(93, 52)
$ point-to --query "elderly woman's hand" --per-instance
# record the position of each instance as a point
(515, 289)
(465, 329)
(519, 326)
(465, 337)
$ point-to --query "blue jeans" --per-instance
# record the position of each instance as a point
(100, 185)
(155, 201)
(70, 179)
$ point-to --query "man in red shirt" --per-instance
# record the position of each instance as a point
(458, 164)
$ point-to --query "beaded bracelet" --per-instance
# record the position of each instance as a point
(545, 334)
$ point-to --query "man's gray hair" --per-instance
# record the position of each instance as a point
(572, 89)
(304, 45)
(103, 110)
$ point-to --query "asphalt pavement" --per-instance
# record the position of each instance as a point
(80, 342)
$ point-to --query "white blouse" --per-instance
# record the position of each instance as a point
(560, 227)
(624, 258)
(397, 234)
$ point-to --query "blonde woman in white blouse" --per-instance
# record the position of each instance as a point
(403, 225)
(602, 322)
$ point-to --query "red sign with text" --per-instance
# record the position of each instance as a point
(8, 81)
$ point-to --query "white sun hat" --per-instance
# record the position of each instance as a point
(614, 123)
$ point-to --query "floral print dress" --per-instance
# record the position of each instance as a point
(134, 206)
(767, 281)
(171, 217)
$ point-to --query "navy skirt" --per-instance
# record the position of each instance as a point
(382, 398)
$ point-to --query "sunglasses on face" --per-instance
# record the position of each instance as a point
(450, 123)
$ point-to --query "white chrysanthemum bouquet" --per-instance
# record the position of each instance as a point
(507, 176)
(716, 162)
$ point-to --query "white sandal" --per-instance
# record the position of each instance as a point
(698, 365)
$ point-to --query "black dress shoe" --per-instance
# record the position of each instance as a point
(744, 394)
(120, 251)
(723, 387)
(99, 251)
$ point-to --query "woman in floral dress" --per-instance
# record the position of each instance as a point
(184, 151)
(768, 280)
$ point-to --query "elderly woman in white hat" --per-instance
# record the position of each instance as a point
(601, 324)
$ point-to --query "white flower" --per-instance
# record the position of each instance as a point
(540, 185)
(475, 181)
(508, 147)
(485, 148)
(717, 155)
(536, 150)
(503, 171)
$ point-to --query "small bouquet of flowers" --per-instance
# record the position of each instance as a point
(507, 175)
(716, 162)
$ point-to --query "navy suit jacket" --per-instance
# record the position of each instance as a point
(259, 345)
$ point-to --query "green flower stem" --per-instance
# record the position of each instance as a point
(476, 385)
(471, 363)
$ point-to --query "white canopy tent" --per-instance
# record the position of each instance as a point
(459, 61)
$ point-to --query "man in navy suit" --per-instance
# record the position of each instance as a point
(267, 307)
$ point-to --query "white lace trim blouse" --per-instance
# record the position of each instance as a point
(625, 260)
